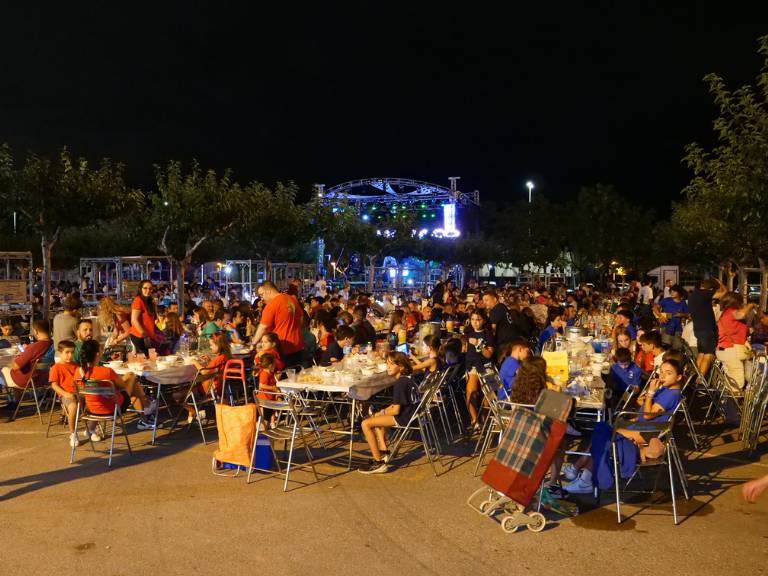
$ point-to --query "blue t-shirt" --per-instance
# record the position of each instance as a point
(508, 373)
(669, 306)
(668, 398)
(632, 331)
(546, 334)
(623, 378)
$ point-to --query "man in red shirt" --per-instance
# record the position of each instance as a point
(283, 316)
(37, 352)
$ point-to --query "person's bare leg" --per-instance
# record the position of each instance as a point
(704, 362)
(381, 439)
(135, 390)
(71, 409)
(473, 395)
(369, 431)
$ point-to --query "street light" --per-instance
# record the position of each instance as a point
(529, 185)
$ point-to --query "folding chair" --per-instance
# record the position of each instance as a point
(755, 399)
(420, 420)
(193, 397)
(38, 366)
(290, 431)
(234, 369)
(498, 412)
(99, 389)
(670, 459)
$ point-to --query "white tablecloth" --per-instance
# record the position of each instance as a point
(170, 375)
(358, 387)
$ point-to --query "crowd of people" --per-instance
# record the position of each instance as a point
(321, 324)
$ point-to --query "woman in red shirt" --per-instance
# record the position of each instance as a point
(143, 314)
(116, 316)
(732, 331)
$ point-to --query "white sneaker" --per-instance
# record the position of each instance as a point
(570, 472)
(96, 437)
(571, 431)
(582, 484)
(74, 441)
(151, 409)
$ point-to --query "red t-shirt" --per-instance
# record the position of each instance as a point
(33, 352)
(284, 317)
(146, 319)
(279, 364)
(64, 376)
(101, 404)
(217, 362)
(730, 330)
(267, 384)
(645, 361)
(326, 340)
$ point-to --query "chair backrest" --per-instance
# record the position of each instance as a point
(91, 387)
(234, 368)
(490, 384)
(205, 374)
(657, 427)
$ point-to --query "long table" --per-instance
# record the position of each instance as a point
(356, 388)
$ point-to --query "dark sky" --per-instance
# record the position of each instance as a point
(567, 94)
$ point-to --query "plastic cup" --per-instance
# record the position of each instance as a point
(291, 374)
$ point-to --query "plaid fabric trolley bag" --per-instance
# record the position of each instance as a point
(526, 449)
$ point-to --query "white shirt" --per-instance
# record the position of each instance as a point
(321, 288)
(645, 295)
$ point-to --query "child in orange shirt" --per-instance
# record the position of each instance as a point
(222, 353)
(62, 380)
(270, 345)
(268, 389)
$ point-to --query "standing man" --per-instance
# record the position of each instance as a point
(499, 317)
(284, 316)
(65, 323)
(704, 323)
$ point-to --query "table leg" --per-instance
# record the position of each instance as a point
(157, 412)
(351, 432)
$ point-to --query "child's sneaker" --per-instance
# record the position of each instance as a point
(570, 472)
(582, 484)
(143, 424)
(96, 437)
(374, 467)
(74, 441)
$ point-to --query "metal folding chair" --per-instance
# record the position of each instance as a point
(191, 397)
(420, 421)
(670, 459)
(288, 432)
(38, 366)
(99, 389)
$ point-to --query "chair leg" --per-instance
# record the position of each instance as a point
(125, 432)
(112, 437)
(290, 458)
(197, 417)
(672, 484)
(426, 446)
(616, 481)
(691, 429)
(50, 417)
(74, 446)
(18, 404)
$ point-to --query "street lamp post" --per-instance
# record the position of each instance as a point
(529, 185)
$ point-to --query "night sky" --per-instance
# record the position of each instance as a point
(567, 94)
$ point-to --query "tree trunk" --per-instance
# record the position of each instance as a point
(181, 272)
(46, 246)
(763, 285)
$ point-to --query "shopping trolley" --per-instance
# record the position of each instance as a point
(526, 449)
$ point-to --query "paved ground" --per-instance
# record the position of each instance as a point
(163, 512)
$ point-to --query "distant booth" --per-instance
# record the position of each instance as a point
(119, 276)
(16, 283)
(243, 277)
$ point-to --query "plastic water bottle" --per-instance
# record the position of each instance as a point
(184, 345)
(559, 343)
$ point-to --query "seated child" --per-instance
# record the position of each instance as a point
(405, 398)
(62, 380)
(429, 364)
(514, 353)
(624, 373)
(345, 337)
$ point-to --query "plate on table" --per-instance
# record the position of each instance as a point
(115, 364)
(136, 367)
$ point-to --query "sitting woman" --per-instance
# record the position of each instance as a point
(270, 346)
(117, 318)
(128, 388)
(405, 398)
(172, 332)
(661, 398)
(431, 363)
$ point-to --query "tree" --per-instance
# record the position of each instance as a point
(65, 192)
(190, 209)
(726, 202)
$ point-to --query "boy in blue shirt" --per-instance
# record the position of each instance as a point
(624, 373)
(515, 351)
(555, 324)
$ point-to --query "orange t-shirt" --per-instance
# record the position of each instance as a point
(217, 362)
(146, 319)
(279, 364)
(267, 384)
(64, 376)
(101, 404)
(284, 317)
